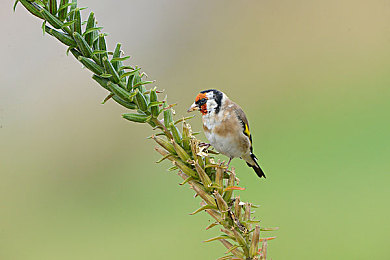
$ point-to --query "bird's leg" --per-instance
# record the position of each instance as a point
(227, 166)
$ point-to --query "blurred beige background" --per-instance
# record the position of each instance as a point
(78, 182)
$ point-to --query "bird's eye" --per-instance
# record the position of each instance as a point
(202, 101)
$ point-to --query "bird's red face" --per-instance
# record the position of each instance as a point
(200, 104)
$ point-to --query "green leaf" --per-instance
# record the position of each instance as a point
(252, 221)
(65, 6)
(92, 66)
(95, 40)
(69, 49)
(184, 118)
(173, 168)
(102, 81)
(73, 7)
(76, 27)
(53, 7)
(120, 58)
(95, 52)
(105, 75)
(83, 45)
(75, 52)
(269, 229)
(155, 104)
(63, 10)
(227, 257)
(42, 4)
(126, 104)
(130, 73)
(127, 68)
(212, 225)
(154, 109)
(92, 30)
(15, 4)
(231, 249)
(186, 180)
(165, 157)
(110, 69)
(141, 101)
(175, 133)
(117, 53)
(44, 27)
(90, 33)
(217, 238)
(138, 118)
(102, 47)
(51, 19)
(33, 9)
(108, 98)
(203, 208)
(72, 11)
(143, 83)
(67, 24)
(64, 38)
(167, 116)
(120, 92)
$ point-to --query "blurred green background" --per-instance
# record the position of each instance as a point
(78, 182)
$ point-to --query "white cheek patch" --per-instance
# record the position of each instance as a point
(211, 105)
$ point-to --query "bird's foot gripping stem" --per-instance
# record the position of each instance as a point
(206, 148)
(207, 145)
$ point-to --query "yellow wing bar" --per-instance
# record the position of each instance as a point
(247, 133)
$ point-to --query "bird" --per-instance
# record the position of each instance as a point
(226, 127)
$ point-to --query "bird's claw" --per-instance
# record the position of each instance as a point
(201, 144)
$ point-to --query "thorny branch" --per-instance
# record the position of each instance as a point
(210, 180)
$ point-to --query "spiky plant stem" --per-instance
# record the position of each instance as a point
(210, 180)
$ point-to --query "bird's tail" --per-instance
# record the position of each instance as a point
(255, 166)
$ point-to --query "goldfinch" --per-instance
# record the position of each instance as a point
(226, 127)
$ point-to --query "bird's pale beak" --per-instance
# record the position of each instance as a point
(193, 107)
